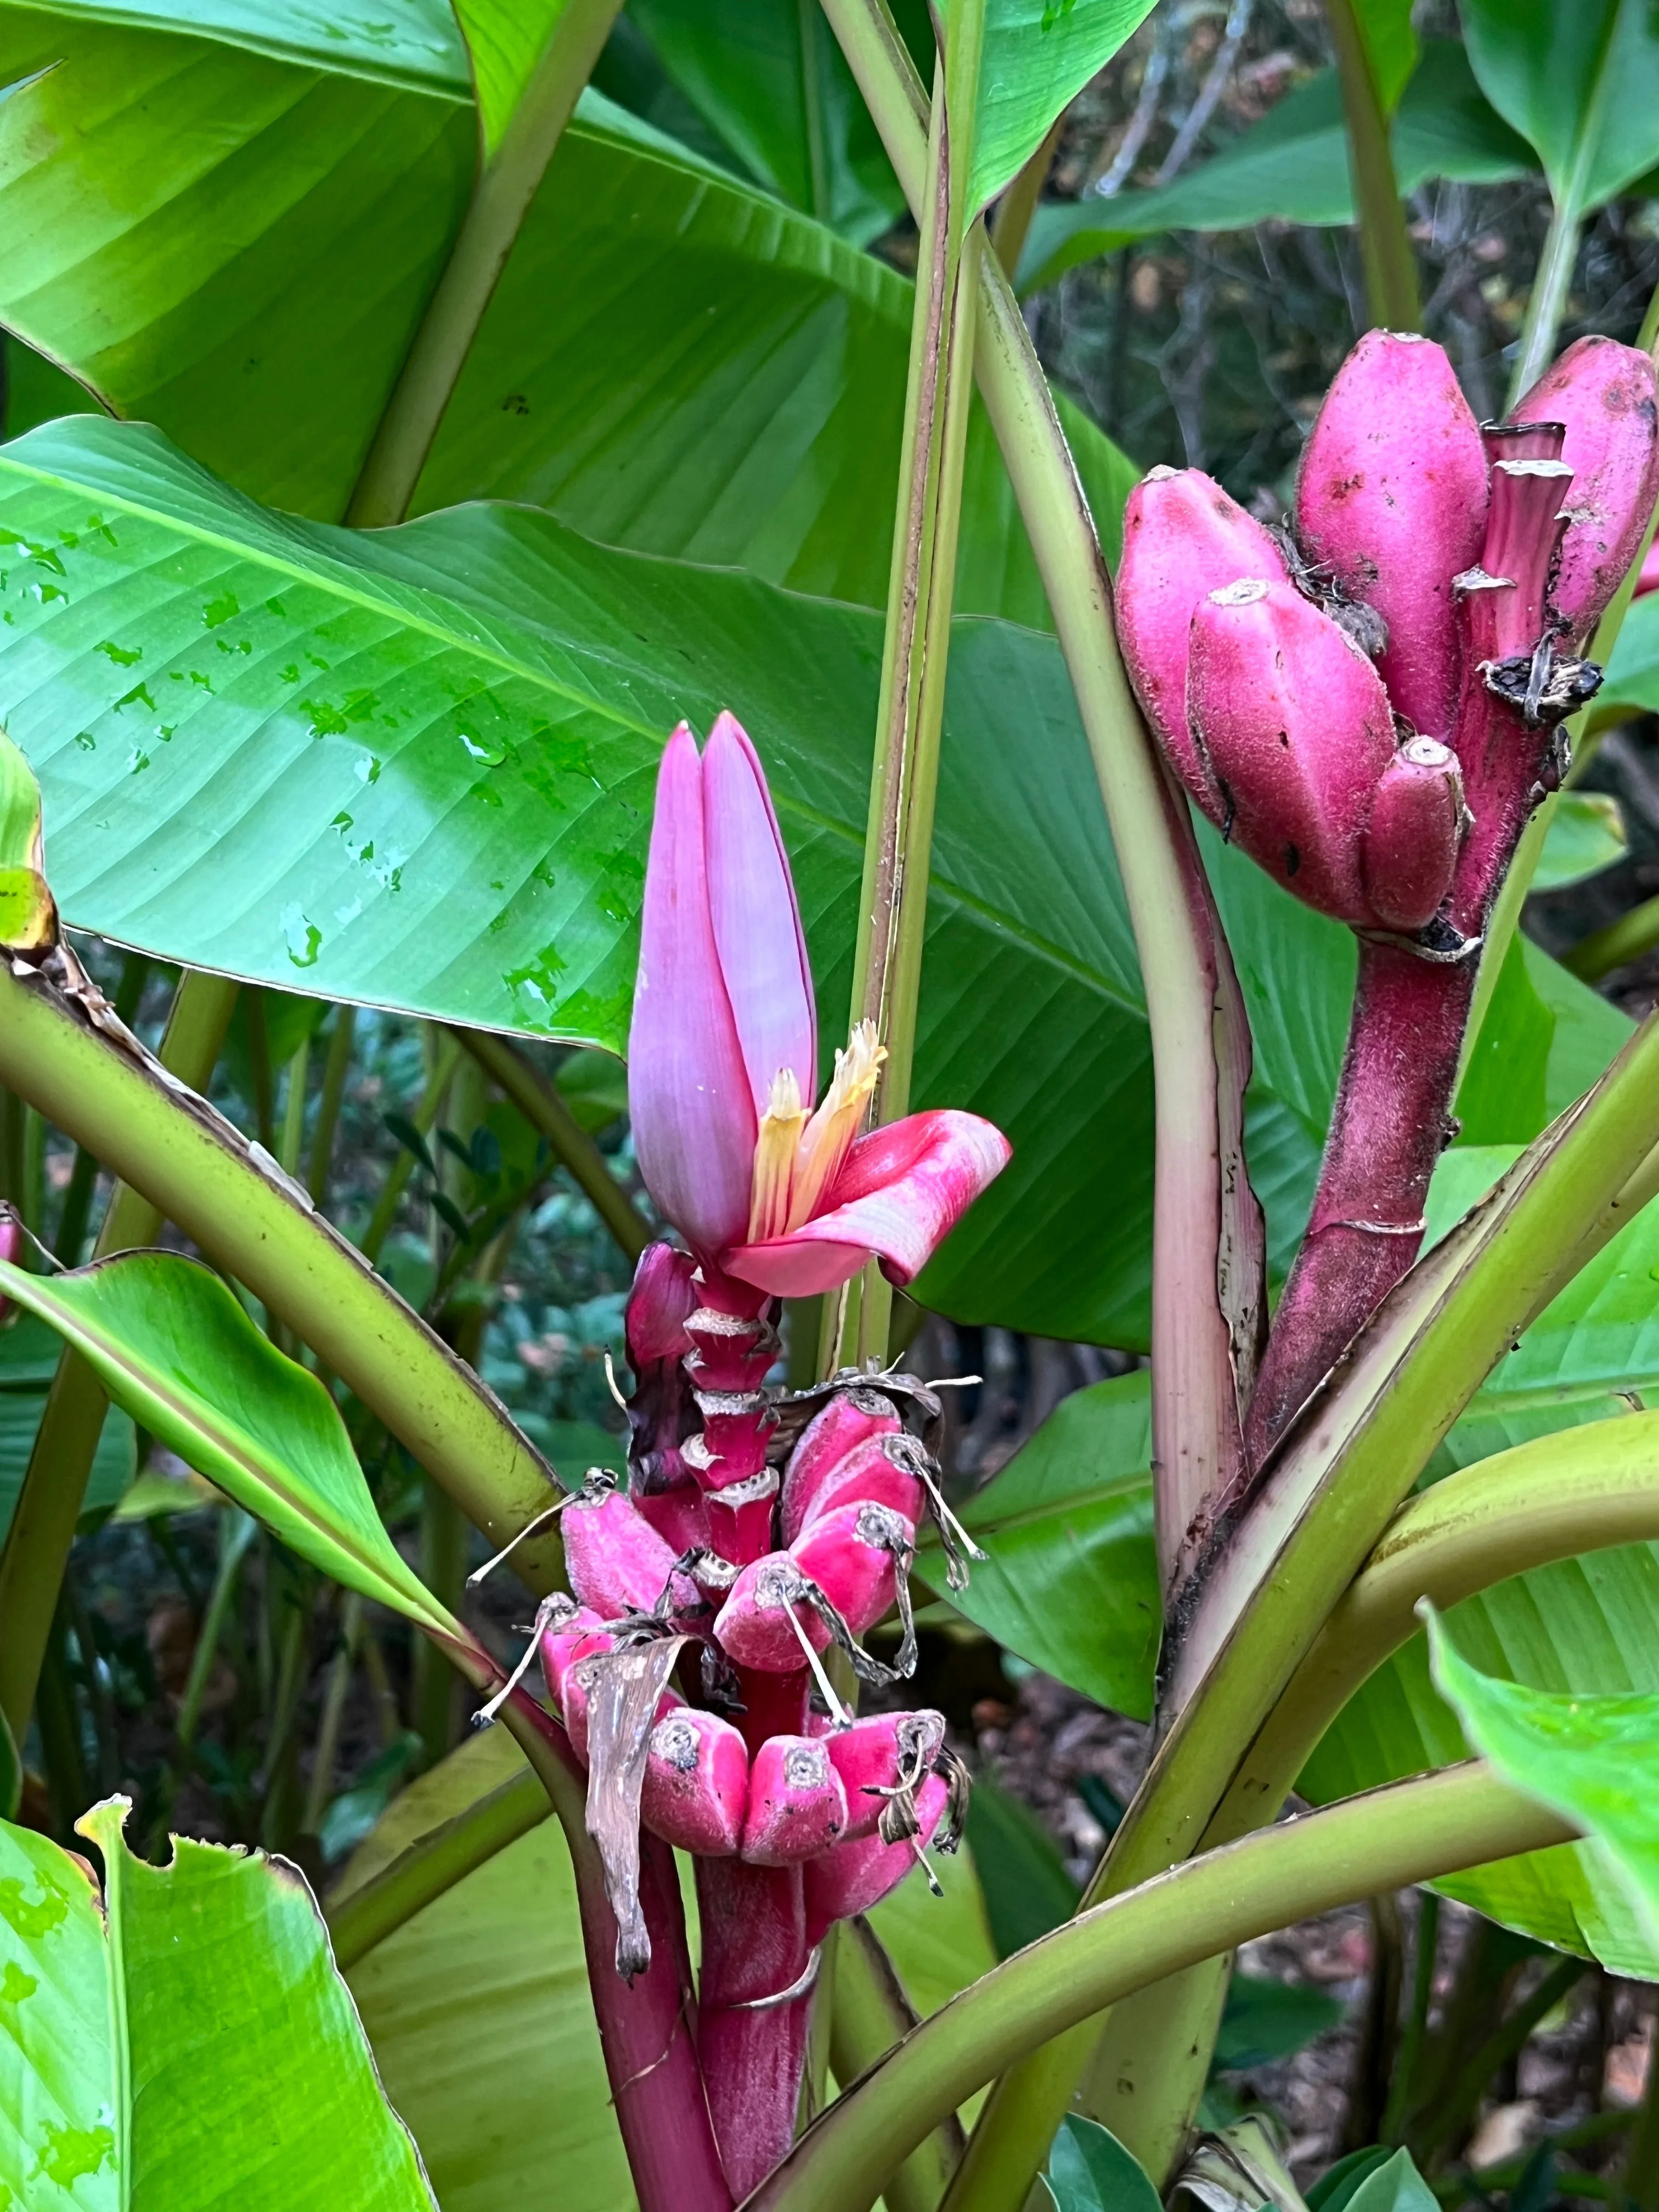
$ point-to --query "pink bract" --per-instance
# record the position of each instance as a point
(722, 1053)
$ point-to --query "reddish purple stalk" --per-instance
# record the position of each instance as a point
(648, 2032)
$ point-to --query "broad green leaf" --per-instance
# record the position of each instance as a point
(1632, 677)
(478, 2013)
(1037, 55)
(937, 1945)
(242, 2075)
(1580, 83)
(1336, 2187)
(594, 1086)
(34, 390)
(1089, 2171)
(1592, 1759)
(1501, 1099)
(171, 1345)
(406, 43)
(1026, 1888)
(1265, 2019)
(415, 768)
(1070, 1583)
(113, 1462)
(1583, 1627)
(1391, 46)
(1292, 167)
(236, 248)
(505, 39)
(1587, 834)
(1395, 2185)
(769, 78)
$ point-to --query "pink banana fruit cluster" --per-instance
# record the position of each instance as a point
(706, 1592)
(1329, 694)
(841, 1799)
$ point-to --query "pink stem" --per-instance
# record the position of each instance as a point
(1393, 1114)
(649, 2033)
(1389, 1126)
(647, 2030)
(754, 1945)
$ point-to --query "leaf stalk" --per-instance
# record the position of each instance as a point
(508, 181)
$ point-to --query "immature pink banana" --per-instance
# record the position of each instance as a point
(1411, 845)
(879, 1472)
(1295, 729)
(616, 1561)
(855, 1876)
(1183, 537)
(797, 1807)
(852, 1417)
(1392, 501)
(873, 1756)
(697, 1781)
(1604, 393)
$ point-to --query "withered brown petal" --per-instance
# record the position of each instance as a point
(623, 1691)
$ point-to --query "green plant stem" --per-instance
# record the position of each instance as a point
(258, 1056)
(236, 1532)
(290, 1144)
(508, 178)
(1206, 1227)
(280, 1818)
(1457, 2102)
(325, 1751)
(1149, 2064)
(1385, 248)
(425, 1114)
(33, 1203)
(1332, 1493)
(1632, 938)
(263, 1230)
(1579, 1490)
(921, 585)
(77, 1212)
(1401, 2088)
(870, 2014)
(336, 1070)
(1413, 1832)
(1012, 219)
(443, 1570)
(539, 1101)
(37, 1545)
(441, 1858)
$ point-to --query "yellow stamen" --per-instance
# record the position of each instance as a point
(827, 1136)
(775, 1149)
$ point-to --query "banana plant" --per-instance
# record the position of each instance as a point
(511, 559)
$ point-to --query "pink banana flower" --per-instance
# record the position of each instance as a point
(723, 1060)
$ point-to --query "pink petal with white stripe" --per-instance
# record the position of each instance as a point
(900, 1193)
(688, 1088)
